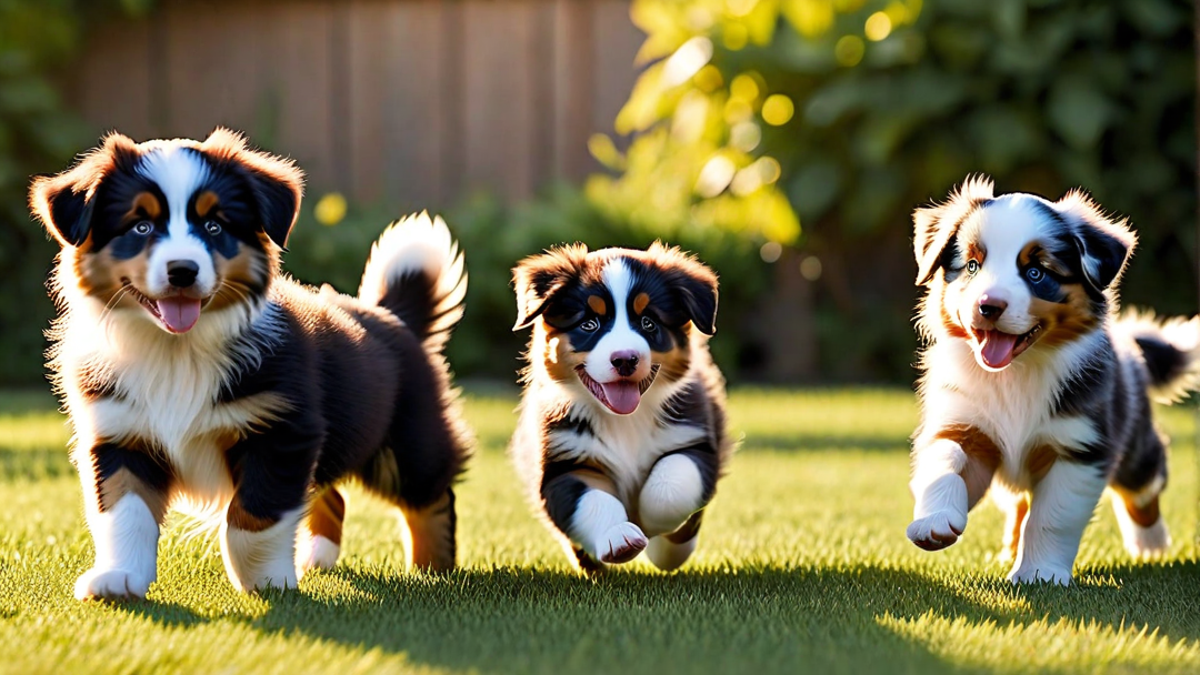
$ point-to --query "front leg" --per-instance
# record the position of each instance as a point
(272, 473)
(125, 489)
(1059, 511)
(581, 501)
(679, 486)
(951, 473)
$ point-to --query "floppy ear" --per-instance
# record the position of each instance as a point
(537, 279)
(276, 183)
(64, 202)
(1104, 245)
(934, 226)
(695, 283)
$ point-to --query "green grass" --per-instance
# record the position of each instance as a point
(803, 567)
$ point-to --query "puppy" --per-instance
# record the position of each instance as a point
(198, 376)
(1030, 385)
(621, 437)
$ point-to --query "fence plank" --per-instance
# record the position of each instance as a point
(415, 103)
(112, 88)
(497, 37)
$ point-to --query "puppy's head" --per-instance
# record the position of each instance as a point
(614, 321)
(1016, 272)
(164, 230)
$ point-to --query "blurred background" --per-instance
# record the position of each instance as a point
(784, 141)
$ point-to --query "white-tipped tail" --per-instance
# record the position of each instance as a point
(1171, 350)
(416, 271)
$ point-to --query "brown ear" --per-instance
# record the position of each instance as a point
(63, 202)
(934, 226)
(537, 279)
(276, 182)
(695, 283)
(1104, 245)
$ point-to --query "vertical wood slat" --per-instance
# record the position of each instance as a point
(407, 102)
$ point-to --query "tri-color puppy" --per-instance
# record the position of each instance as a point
(197, 375)
(622, 434)
(1031, 386)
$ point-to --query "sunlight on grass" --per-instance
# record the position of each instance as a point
(802, 565)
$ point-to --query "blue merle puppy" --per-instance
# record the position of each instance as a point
(622, 433)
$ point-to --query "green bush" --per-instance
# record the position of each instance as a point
(37, 135)
(871, 107)
(494, 238)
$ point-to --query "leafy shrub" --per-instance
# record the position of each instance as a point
(871, 107)
(37, 135)
(494, 238)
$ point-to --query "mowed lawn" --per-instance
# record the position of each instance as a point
(803, 567)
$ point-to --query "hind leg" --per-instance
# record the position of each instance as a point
(320, 539)
(1016, 508)
(1135, 488)
(422, 492)
(669, 551)
(430, 533)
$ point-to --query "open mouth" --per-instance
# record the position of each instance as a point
(997, 349)
(177, 313)
(620, 396)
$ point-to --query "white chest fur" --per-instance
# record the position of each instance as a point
(166, 396)
(1013, 407)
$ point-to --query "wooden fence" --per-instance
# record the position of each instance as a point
(408, 102)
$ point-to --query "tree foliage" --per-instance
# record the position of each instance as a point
(840, 116)
(38, 134)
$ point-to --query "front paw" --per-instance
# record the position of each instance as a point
(111, 584)
(936, 531)
(1035, 573)
(621, 543)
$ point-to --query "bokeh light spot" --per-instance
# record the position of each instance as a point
(879, 26)
(777, 110)
(770, 251)
(810, 268)
(330, 209)
(849, 50)
(744, 88)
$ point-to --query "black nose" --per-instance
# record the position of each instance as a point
(625, 363)
(182, 273)
(991, 308)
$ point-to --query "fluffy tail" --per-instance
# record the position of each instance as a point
(1171, 350)
(416, 271)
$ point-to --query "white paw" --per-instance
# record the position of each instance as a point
(668, 556)
(936, 531)
(321, 554)
(1145, 543)
(1031, 573)
(98, 583)
(621, 543)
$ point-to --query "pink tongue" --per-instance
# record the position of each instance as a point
(179, 313)
(623, 397)
(997, 348)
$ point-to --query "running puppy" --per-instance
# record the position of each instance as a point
(1030, 384)
(197, 375)
(622, 435)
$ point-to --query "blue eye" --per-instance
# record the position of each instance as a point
(590, 326)
(1034, 274)
(972, 266)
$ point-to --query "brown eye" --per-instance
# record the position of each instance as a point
(143, 228)
(590, 326)
(972, 266)
(212, 227)
(648, 324)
